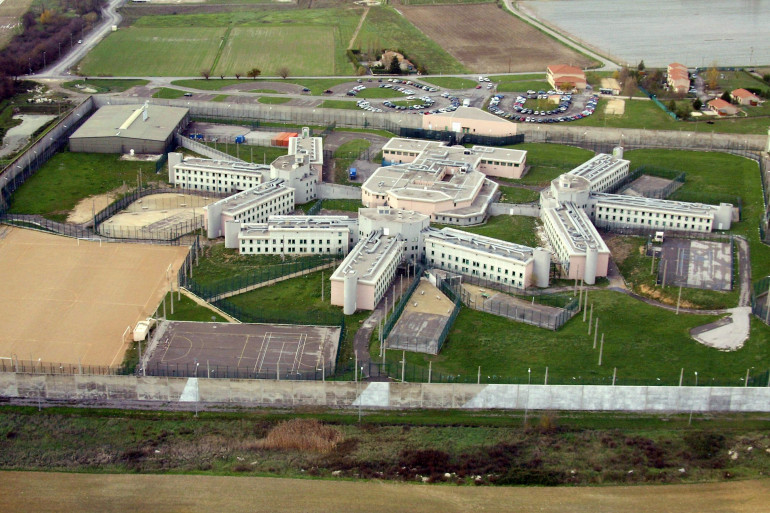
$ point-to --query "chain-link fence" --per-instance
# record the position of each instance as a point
(13, 364)
(391, 321)
(187, 370)
(222, 289)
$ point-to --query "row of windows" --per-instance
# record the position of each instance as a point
(493, 163)
(643, 213)
(475, 272)
(287, 250)
(286, 241)
(467, 261)
(670, 224)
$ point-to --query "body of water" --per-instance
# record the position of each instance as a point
(692, 32)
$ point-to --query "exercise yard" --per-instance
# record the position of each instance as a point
(158, 216)
(423, 320)
(70, 301)
(651, 187)
(696, 264)
(505, 305)
(242, 350)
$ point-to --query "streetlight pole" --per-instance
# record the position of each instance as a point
(44, 64)
(197, 390)
(692, 405)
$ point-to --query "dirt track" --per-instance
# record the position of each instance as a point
(486, 39)
(42, 492)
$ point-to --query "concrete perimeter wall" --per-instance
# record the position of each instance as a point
(514, 209)
(336, 191)
(123, 390)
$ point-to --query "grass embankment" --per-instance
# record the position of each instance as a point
(344, 156)
(338, 104)
(104, 85)
(185, 309)
(250, 153)
(168, 93)
(68, 178)
(547, 161)
(316, 85)
(518, 229)
(576, 449)
(273, 100)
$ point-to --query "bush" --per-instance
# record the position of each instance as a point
(301, 434)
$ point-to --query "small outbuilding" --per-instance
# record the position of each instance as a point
(121, 128)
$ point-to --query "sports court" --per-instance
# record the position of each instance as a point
(423, 320)
(162, 215)
(246, 350)
(696, 264)
(69, 301)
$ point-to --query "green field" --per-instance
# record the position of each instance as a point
(658, 347)
(105, 85)
(135, 51)
(185, 309)
(344, 157)
(68, 178)
(517, 195)
(250, 153)
(450, 82)
(167, 93)
(547, 161)
(518, 229)
(338, 104)
(523, 86)
(273, 100)
(285, 45)
(342, 205)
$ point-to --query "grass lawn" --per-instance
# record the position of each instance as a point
(105, 85)
(279, 45)
(547, 161)
(377, 92)
(135, 51)
(517, 78)
(275, 100)
(407, 103)
(638, 114)
(68, 178)
(169, 94)
(523, 86)
(316, 85)
(518, 229)
(645, 343)
(250, 153)
(450, 82)
(344, 157)
(270, 91)
(342, 205)
(635, 266)
(384, 27)
(338, 104)
(517, 195)
(710, 174)
(731, 80)
(220, 98)
(185, 309)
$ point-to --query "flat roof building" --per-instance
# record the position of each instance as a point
(490, 259)
(221, 176)
(253, 205)
(298, 174)
(604, 172)
(469, 120)
(566, 78)
(297, 235)
(122, 128)
(360, 282)
(311, 148)
(407, 223)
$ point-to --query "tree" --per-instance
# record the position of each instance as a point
(640, 66)
(672, 106)
(395, 67)
(726, 97)
(47, 16)
(237, 76)
(283, 72)
(629, 86)
(684, 110)
(712, 77)
(697, 104)
(254, 73)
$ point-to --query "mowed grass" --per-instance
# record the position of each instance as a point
(518, 229)
(547, 161)
(185, 309)
(168, 93)
(338, 104)
(644, 342)
(274, 100)
(137, 51)
(303, 50)
(638, 114)
(250, 153)
(105, 85)
(68, 178)
(523, 86)
(517, 195)
(450, 82)
(386, 28)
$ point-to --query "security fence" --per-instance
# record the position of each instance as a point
(316, 208)
(676, 180)
(399, 308)
(13, 364)
(550, 311)
(187, 370)
(222, 289)
(760, 306)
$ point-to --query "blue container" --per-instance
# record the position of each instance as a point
(352, 173)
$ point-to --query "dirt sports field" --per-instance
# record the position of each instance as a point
(485, 39)
(63, 299)
(43, 492)
(422, 321)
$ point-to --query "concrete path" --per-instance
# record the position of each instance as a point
(726, 334)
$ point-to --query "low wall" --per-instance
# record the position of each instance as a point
(335, 191)
(514, 209)
(341, 394)
(203, 149)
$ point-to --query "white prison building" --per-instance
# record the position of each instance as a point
(297, 235)
(254, 205)
(604, 171)
(296, 171)
(491, 259)
(222, 176)
(311, 148)
(407, 223)
(366, 273)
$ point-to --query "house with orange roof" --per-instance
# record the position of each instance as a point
(723, 108)
(745, 97)
(566, 78)
(678, 78)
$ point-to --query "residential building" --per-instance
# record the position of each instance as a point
(297, 235)
(253, 205)
(678, 78)
(745, 97)
(563, 77)
(491, 259)
(360, 282)
(221, 176)
(722, 107)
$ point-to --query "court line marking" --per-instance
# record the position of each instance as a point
(171, 342)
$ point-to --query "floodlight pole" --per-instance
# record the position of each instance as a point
(596, 331)
(692, 404)
(681, 376)
(678, 299)
(601, 350)
(430, 370)
(546, 376)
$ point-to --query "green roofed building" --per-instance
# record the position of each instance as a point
(122, 128)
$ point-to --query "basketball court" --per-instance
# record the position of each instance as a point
(247, 350)
(71, 301)
(696, 264)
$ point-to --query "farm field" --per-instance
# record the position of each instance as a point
(508, 44)
(10, 12)
(134, 51)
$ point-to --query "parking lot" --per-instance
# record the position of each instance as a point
(543, 106)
